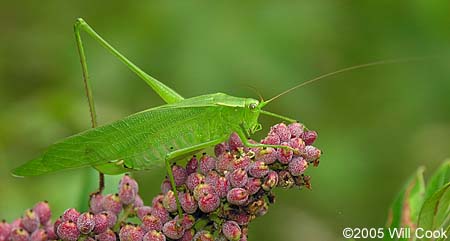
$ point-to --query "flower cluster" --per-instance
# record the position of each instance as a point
(106, 215)
(218, 196)
(221, 195)
(34, 225)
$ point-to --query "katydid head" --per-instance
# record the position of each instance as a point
(252, 111)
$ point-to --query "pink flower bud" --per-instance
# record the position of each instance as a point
(131, 182)
(258, 169)
(192, 165)
(282, 131)
(238, 178)
(158, 200)
(223, 186)
(220, 148)
(179, 174)
(17, 224)
(166, 186)
(271, 139)
(112, 203)
(30, 221)
(68, 231)
(188, 235)
(111, 218)
(284, 154)
(127, 193)
(96, 203)
(203, 236)
(253, 185)
(224, 162)
(42, 210)
(101, 222)
(241, 162)
(268, 155)
(154, 236)
(39, 235)
(170, 202)
(187, 222)
(193, 180)
(202, 190)
(5, 230)
(311, 153)
(172, 230)
(271, 181)
(70, 214)
(234, 142)
(86, 223)
(242, 218)
(309, 137)
(231, 230)
(297, 143)
(19, 234)
(237, 196)
(187, 202)
(207, 164)
(150, 222)
(130, 232)
(297, 166)
(209, 202)
(108, 235)
(138, 202)
(57, 223)
(161, 213)
(211, 178)
(49, 229)
(296, 129)
(142, 211)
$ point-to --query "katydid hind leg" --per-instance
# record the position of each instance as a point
(165, 92)
(90, 97)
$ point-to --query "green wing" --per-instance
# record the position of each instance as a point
(142, 139)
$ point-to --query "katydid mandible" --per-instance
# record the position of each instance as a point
(157, 135)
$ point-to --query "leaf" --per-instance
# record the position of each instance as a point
(436, 209)
(438, 179)
(404, 211)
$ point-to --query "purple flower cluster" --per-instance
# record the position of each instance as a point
(34, 225)
(107, 213)
(219, 196)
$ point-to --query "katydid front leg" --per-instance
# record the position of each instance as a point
(166, 93)
(246, 143)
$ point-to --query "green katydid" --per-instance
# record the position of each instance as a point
(164, 133)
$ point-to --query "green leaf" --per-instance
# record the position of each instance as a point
(436, 209)
(438, 179)
(405, 209)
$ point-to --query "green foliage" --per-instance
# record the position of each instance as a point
(417, 205)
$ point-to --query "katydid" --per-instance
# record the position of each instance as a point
(157, 135)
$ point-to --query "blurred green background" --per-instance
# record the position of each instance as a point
(376, 125)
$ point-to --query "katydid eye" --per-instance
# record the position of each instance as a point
(252, 106)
